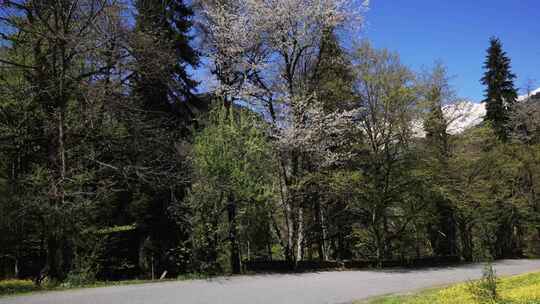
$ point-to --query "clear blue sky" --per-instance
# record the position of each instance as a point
(457, 32)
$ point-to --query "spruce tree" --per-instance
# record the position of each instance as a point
(500, 91)
(163, 53)
(435, 124)
(442, 228)
(331, 76)
(163, 95)
(437, 93)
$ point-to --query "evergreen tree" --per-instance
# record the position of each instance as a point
(437, 93)
(331, 76)
(163, 54)
(435, 125)
(442, 227)
(500, 91)
(163, 95)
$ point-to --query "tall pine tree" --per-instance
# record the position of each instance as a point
(163, 53)
(331, 79)
(435, 124)
(331, 75)
(500, 91)
(441, 229)
(163, 95)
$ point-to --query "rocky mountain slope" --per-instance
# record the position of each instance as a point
(464, 115)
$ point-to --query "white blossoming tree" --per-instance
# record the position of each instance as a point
(262, 51)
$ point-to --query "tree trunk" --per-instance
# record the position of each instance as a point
(16, 266)
(53, 268)
(380, 247)
(443, 233)
(466, 241)
(291, 232)
(233, 236)
(321, 232)
(299, 235)
(57, 166)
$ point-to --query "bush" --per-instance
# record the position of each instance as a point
(484, 291)
(87, 258)
(79, 278)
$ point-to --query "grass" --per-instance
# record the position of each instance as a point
(8, 287)
(19, 287)
(522, 289)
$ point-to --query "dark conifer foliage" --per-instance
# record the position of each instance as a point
(435, 124)
(163, 53)
(331, 76)
(500, 91)
(163, 96)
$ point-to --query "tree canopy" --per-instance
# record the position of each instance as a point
(304, 149)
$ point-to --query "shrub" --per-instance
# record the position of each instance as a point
(77, 278)
(485, 289)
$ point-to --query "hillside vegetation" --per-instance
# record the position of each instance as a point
(141, 141)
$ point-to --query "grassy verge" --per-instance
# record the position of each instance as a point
(18, 287)
(522, 289)
(8, 287)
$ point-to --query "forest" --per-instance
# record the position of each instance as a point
(145, 138)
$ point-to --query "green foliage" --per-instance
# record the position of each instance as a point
(484, 290)
(163, 52)
(387, 204)
(332, 77)
(232, 160)
(110, 167)
(500, 92)
(234, 153)
(87, 259)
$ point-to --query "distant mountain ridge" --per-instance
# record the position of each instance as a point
(532, 95)
(465, 115)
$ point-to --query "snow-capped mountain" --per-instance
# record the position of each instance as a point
(534, 94)
(460, 116)
(464, 115)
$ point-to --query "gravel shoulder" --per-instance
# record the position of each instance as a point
(334, 287)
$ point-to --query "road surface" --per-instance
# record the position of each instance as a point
(325, 287)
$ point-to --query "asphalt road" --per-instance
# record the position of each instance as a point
(313, 288)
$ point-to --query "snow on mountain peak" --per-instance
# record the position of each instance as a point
(460, 117)
(523, 97)
(464, 115)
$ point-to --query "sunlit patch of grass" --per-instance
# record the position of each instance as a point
(8, 287)
(13, 286)
(522, 289)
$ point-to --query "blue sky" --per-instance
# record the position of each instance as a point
(457, 32)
